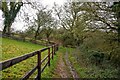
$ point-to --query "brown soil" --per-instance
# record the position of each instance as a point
(61, 71)
(64, 68)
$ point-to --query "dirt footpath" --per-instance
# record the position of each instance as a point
(70, 66)
(61, 70)
(64, 68)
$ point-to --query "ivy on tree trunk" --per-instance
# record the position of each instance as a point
(10, 14)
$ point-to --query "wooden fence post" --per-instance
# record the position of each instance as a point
(48, 56)
(39, 65)
(52, 51)
(57, 48)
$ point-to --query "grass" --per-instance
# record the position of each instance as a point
(13, 48)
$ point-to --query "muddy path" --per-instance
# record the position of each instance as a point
(61, 70)
(70, 66)
(64, 68)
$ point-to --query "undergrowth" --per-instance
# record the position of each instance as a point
(86, 69)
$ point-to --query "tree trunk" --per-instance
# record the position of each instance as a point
(118, 29)
(8, 29)
(48, 40)
(4, 30)
(36, 34)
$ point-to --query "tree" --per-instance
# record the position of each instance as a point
(107, 15)
(73, 19)
(116, 8)
(30, 31)
(47, 31)
(10, 14)
(43, 19)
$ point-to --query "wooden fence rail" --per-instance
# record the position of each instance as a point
(13, 61)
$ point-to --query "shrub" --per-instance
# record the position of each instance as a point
(97, 57)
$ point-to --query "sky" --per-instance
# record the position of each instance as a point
(19, 25)
(51, 2)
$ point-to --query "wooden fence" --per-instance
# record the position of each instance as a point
(11, 62)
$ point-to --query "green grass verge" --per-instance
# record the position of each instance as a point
(49, 71)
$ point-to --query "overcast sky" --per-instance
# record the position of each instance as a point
(19, 25)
